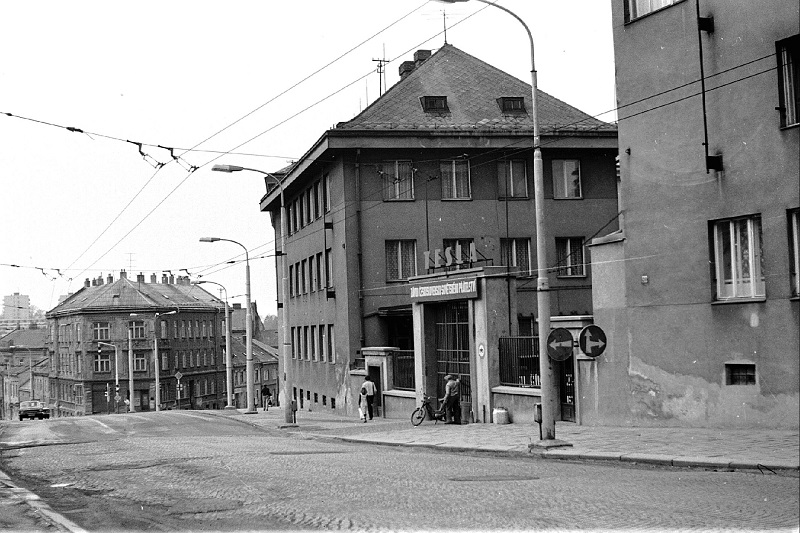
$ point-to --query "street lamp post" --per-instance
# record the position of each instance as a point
(156, 360)
(248, 327)
(287, 376)
(228, 354)
(116, 371)
(547, 374)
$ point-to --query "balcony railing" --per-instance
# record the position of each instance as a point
(403, 369)
(519, 361)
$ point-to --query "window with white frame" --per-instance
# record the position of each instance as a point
(101, 331)
(789, 80)
(567, 179)
(639, 8)
(455, 179)
(102, 362)
(516, 253)
(139, 362)
(569, 255)
(401, 259)
(398, 180)
(137, 329)
(738, 259)
(512, 180)
(794, 250)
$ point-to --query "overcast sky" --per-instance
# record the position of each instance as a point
(175, 74)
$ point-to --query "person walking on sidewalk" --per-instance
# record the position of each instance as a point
(370, 389)
(362, 405)
(452, 400)
(266, 397)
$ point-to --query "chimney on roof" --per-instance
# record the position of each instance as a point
(171, 279)
(153, 278)
(405, 69)
(420, 56)
(123, 274)
(140, 277)
(99, 280)
(164, 278)
(87, 283)
(110, 279)
(237, 306)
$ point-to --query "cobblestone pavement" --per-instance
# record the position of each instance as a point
(198, 471)
(738, 449)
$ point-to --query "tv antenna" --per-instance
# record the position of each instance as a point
(381, 72)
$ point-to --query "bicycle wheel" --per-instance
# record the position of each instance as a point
(417, 416)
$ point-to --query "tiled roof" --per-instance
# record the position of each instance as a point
(472, 88)
(261, 353)
(32, 338)
(127, 294)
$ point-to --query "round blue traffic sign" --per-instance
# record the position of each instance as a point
(592, 340)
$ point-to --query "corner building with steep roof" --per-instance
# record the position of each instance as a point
(131, 316)
(431, 185)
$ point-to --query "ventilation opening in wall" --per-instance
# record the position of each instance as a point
(740, 374)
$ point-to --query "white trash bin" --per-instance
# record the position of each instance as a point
(500, 416)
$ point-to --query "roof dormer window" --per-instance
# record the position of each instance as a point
(434, 104)
(512, 104)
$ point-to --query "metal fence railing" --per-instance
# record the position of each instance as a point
(519, 361)
(403, 369)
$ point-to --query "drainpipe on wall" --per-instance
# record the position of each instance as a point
(361, 339)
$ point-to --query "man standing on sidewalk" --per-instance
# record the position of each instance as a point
(452, 400)
(370, 388)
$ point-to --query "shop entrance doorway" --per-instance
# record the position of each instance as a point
(567, 389)
(452, 348)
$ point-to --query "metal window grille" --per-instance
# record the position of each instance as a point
(519, 361)
(740, 374)
(403, 369)
(452, 346)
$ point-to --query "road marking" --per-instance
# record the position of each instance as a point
(106, 428)
(184, 413)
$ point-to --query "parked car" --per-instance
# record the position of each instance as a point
(33, 409)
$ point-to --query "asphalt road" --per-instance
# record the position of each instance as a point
(194, 471)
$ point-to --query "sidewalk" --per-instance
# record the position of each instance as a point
(737, 449)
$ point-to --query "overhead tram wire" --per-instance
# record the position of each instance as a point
(239, 120)
(293, 116)
(620, 119)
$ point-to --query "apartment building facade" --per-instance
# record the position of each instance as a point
(109, 329)
(699, 291)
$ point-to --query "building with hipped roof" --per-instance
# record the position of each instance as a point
(109, 328)
(426, 192)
